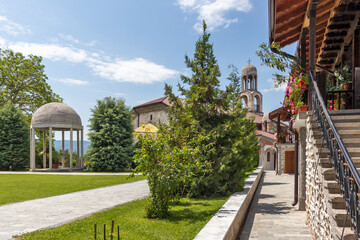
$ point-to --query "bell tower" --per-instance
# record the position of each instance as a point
(249, 95)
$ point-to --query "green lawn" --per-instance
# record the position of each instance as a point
(187, 219)
(19, 187)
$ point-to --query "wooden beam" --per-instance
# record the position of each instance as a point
(332, 13)
(347, 38)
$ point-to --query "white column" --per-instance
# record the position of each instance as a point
(63, 149)
(44, 148)
(82, 147)
(71, 147)
(32, 149)
(78, 165)
(50, 147)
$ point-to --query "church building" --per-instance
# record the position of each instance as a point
(157, 110)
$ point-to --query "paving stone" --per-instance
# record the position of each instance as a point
(28, 216)
(271, 215)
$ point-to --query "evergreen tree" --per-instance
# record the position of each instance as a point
(111, 137)
(219, 124)
(14, 139)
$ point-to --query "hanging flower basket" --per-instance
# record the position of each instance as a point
(303, 108)
(303, 85)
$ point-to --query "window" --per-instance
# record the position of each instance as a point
(268, 157)
(151, 117)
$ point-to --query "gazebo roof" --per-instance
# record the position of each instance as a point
(56, 115)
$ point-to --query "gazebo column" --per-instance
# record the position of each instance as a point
(32, 149)
(82, 147)
(44, 148)
(71, 147)
(78, 164)
(50, 147)
(63, 149)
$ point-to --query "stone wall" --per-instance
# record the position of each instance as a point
(282, 148)
(151, 114)
(317, 209)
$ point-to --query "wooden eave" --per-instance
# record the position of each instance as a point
(336, 21)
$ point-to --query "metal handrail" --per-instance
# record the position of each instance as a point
(345, 170)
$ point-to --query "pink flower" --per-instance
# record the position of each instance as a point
(290, 91)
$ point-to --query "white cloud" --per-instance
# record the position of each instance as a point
(70, 81)
(137, 70)
(281, 88)
(11, 27)
(50, 51)
(214, 11)
(68, 37)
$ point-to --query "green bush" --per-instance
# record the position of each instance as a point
(111, 148)
(14, 139)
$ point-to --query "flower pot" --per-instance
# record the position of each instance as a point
(55, 165)
(347, 86)
(303, 108)
(302, 85)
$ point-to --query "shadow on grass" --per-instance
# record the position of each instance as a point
(187, 214)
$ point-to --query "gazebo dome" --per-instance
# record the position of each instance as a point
(249, 70)
(56, 115)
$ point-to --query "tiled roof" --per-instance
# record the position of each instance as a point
(257, 118)
(265, 134)
(164, 100)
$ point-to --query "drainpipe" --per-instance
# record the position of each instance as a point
(296, 190)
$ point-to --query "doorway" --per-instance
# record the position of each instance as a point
(289, 162)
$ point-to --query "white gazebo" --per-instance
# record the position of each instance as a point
(56, 117)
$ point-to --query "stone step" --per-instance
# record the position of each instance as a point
(329, 174)
(345, 118)
(347, 141)
(353, 152)
(348, 233)
(337, 201)
(339, 216)
(326, 162)
(332, 186)
(348, 123)
(344, 133)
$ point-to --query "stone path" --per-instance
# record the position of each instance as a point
(28, 216)
(271, 215)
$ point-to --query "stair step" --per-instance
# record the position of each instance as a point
(337, 201)
(347, 141)
(348, 233)
(339, 216)
(347, 118)
(332, 186)
(353, 152)
(325, 162)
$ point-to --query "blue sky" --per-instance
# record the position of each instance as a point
(129, 48)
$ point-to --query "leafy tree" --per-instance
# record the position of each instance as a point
(23, 82)
(208, 145)
(280, 61)
(14, 139)
(110, 134)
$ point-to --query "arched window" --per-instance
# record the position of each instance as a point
(257, 104)
(243, 85)
(250, 82)
(150, 117)
(268, 157)
(244, 101)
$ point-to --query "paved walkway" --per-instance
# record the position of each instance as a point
(271, 215)
(28, 216)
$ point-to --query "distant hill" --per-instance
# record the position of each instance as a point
(58, 146)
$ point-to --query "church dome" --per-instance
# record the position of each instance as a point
(249, 70)
(56, 115)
